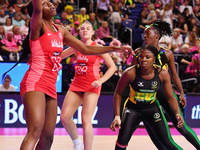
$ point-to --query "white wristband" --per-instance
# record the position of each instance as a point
(117, 117)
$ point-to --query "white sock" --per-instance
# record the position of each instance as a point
(77, 141)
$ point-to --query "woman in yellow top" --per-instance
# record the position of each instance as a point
(83, 16)
(69, 9)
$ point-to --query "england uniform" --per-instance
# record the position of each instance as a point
(44, 64)
(86, 72)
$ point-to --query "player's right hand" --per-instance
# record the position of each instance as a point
(116, 122)
(180, 120)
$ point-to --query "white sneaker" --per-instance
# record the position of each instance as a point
(79, 146)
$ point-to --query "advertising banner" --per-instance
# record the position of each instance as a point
(12, 111)
(192, 110)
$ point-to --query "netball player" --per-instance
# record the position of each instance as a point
(145, 79)
(38, 86)
(85, 89)
(152, 34)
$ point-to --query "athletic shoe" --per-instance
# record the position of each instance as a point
(78, 147)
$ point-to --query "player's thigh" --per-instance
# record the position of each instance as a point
(50, 116)
(71, 103)
(34, 108)
(89, 104)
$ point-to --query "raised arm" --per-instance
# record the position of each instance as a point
(36, 21)
(175, 77)
(127, 76)
(165, 78)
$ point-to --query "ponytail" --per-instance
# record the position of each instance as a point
(161, 58)
(162, 27)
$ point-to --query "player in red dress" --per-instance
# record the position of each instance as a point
(38, 87)
(84, 89)
(44, 64)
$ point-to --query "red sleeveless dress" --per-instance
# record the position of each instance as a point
(44, 64)
(86, 72)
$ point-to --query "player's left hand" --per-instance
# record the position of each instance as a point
(180, 120)
(182, 100)
(125, 49)
(96, 84)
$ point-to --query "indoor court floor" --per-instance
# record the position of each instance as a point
(104, 139)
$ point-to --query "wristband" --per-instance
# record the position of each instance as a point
(117, 117)
(117, 47)
(177, 115)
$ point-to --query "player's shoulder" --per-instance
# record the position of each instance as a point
(131, 69)
(162, 72)
(167, 51)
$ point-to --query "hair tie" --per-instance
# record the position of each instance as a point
(161, 51)
(155, 24)
(137, 55)
(155, 66)
(147, 26)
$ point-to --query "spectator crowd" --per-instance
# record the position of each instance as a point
(107, 17)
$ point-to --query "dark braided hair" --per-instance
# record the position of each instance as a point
(25, 44)
(162, 28)
(160, 55)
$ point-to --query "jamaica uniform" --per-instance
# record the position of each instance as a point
(186, 131)
(143, 106)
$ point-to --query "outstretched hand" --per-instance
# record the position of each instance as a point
(125, 49)
(116, 122)
(180, 120)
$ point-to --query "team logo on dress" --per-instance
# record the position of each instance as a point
(55, 43)
(127, 111)
(154, 84)
(140, 84)
(56, 53)
(156, 116)
(84, 58)
(60, 35)
(56, 63)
